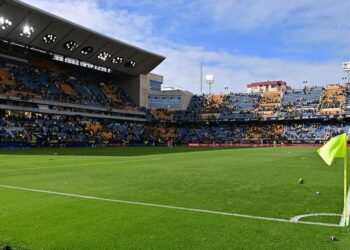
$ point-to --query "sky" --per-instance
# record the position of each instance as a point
(238, 41)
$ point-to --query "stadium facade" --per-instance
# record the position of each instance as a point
(64, 85)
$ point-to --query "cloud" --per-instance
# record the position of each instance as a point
(183, 68)
(121, 24)
(126, 21)
(296, 24)
(248, 16)
(292, 22)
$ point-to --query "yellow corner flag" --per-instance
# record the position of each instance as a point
(337, 148)
(334, 148)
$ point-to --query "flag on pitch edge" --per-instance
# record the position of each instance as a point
(334, 148)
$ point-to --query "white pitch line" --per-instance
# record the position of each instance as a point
(342, 221)
(80, 165)
(166, 206)
(299, 217)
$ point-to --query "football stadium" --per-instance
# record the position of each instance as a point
(96, 154)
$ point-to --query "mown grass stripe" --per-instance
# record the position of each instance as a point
(80, 165)
(166, 206)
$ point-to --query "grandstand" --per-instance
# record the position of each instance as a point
(301, 102)
(269, 103)
(68, 90)
(88, 83)
(39, 87)
(333, 99)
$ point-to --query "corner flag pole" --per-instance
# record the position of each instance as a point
(337, 147)
(346, 219)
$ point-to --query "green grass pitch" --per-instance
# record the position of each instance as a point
(253, 181)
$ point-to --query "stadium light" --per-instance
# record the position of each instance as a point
(87, 50)
(210, 80)
(4, 23)
(27, 31)
(104, 56)
(49, 38)
(346, 68)
(130, 64)
(70, 45)
(117, 60)
(346, 65)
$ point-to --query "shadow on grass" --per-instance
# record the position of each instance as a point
(105, 151)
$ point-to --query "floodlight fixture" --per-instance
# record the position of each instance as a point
(130, 64)
(209, 78)
(87, 50)
(346, 68)
(103, 56)
(4, 23)
(27, 31)
(49, 38)
(117, 60)
(70, 45)
(210, 81)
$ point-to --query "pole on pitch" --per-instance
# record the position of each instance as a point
(346, 219)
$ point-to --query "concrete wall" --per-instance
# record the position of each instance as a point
(131, 85)
(185, 96)
(137, 87)
(155, 77)
(144, 88)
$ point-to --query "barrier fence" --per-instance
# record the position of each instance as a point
(254, 145)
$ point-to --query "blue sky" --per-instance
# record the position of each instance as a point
(239, 41)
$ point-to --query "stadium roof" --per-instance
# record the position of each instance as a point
(24, 24)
